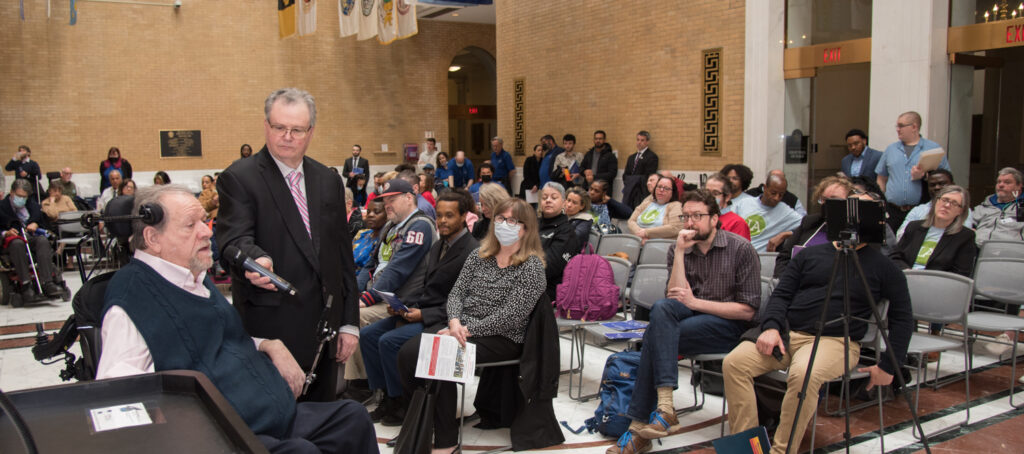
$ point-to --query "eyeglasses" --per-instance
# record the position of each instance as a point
(663, 188)
(903, 125)
(950, 202)
(297, 133)
(716, 193)
(499, 219)
(695, 216)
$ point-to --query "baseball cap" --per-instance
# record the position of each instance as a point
(428, 166)
(396, 186)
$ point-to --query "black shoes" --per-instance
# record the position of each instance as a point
(390, 412)
(52, 290)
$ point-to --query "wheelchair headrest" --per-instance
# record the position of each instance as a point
(120, 206)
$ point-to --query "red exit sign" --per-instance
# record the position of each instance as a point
(1015, 33)
(832, 54)
(474, 110)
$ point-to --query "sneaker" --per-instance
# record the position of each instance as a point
(630, 443)
(396, 416)
(998, 350)
(660, 425)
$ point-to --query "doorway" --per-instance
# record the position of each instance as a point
(472, 103)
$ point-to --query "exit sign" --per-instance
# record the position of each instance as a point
(474, 110)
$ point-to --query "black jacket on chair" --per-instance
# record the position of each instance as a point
(954, 252)
(534, 425)
(558, 240)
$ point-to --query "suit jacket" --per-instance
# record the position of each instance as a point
(634, 177)
(9, 219)
(440, 278)
(867, 169)
(258, 216)
(362, 164)
(954, 252)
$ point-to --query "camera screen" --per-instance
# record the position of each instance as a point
(853, 218)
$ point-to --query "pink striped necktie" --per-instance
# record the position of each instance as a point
(300, 199)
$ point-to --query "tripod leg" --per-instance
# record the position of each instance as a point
(883, 332)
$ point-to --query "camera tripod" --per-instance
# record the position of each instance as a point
(847, 252)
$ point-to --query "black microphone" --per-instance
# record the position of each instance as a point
(237, 258)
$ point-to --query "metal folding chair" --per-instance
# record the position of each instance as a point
(1002, 249)
(939, 297)
(767, 263)
(655, 252)
(620, 242)
(999, 280)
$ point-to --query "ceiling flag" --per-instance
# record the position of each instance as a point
(307, 17)
(367, 19)
(406, 18)
(286, 18)
(74, 14)
(387, 21)
(348, 17)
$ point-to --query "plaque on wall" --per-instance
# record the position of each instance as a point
(796, 147)
(181, 144)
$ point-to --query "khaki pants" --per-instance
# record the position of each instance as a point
(745, 362)
(354, 369)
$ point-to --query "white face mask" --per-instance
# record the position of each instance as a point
(507, 234)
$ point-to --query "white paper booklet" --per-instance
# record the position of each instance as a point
(442, 358)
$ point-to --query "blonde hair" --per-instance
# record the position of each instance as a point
(388, 176)
(491, 195)
(819, 190)
(529, 244)
(958, 223)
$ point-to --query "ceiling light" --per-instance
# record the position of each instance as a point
(455, 14)
(454, 68)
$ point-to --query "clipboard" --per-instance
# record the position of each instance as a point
(930, 159)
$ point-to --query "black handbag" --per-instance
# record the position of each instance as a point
(417, 434)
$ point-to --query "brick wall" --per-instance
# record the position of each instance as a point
(125, 72)
(622, 67)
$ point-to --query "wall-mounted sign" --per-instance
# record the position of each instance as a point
(991, 35)
(181, 144)
(800, 62)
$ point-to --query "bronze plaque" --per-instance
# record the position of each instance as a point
(181, 144)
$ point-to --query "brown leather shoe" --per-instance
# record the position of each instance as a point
(630, 443)
(660, 425)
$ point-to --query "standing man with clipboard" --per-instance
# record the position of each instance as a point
(900, 173)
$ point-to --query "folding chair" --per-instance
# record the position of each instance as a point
(649, 282)
(655, 252)
(1003, 249)
(70, 234)
(620, 242)
(939, 297)
(595, 239)
(999, 280)
(767, 263)
(462, 406)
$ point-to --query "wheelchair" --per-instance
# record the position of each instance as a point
(84, 323)
(11, 286)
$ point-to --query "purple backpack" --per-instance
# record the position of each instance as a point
(588, 290)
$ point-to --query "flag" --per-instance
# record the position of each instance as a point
(367, 19)
(307, 17)
(286, 18)
(348, 17)
(74, 14)
(23, 10)
(406, 18)
(387, 21)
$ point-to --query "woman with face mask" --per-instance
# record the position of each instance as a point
(557, 234)
(658, 215)
(114, 162)
(490, 195)
(491, 302)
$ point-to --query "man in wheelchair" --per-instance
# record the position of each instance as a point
(21, 216)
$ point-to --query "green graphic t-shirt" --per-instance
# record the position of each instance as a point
(927, 247)
(653, 216)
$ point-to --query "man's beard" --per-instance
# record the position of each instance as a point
(198, 264)
(702, 236)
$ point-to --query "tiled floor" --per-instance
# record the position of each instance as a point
(994, 425)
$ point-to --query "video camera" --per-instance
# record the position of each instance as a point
(855, 221)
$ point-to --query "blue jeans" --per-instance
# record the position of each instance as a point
(379, 343)
(676, 330)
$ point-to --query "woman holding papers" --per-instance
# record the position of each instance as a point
(491, 302)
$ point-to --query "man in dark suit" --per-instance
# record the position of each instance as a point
(19, 209)
(862, 160)
(287, 212)
(381, 341)
(640, 164)
(354, 166)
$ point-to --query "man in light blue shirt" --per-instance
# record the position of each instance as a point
(862, 160)
(899, 176)
(770, 222)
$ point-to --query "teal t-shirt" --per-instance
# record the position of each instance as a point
(931, 239)
(653, 216)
